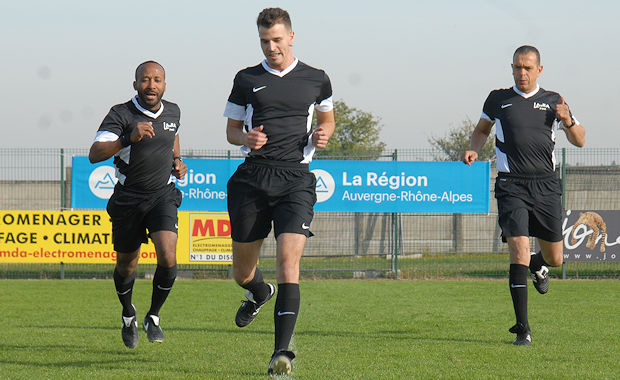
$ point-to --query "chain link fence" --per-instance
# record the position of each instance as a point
(347, 244)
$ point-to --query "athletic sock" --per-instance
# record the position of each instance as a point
(537, 261)
(258, 287)
(285, 314)
(124, 290)
(518, 291)
(162, 283)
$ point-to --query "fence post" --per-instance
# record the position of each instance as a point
(396, 224)
(62, 179)
(563, 200)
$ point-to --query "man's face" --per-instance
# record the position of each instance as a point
(150, 85)
(525, 70)
(277, 44)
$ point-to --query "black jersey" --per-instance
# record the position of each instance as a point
(525, 129)
(144, 166)
(283, 103)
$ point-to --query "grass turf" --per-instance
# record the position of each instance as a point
(347, 329)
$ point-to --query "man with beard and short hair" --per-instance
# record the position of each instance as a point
(142, 135)
(269, 113)
(527, 187)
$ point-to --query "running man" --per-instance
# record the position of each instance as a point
(527, 187)
(142, 135)
(269, 113)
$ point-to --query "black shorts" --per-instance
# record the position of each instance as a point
(264, 191)
(132, 213)
(530, 206)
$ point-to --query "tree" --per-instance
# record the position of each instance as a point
(457, 141)
(356, 135)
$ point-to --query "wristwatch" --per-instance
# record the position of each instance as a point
(572, 124)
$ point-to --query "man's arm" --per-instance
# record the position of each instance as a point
(102, 150)
(325, 130)
(179, 169)
(478, 138)
(255, 139)
(576, 134)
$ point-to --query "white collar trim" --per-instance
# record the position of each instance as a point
(277, 72)
(529, 94)
(152, 115)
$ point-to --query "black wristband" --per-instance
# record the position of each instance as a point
(572, 124)
(177, 158)
(125, 139)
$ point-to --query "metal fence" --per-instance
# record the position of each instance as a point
(347, 244)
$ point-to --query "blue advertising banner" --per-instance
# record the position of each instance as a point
(358, 186)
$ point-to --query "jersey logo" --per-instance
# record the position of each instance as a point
(305, 226)
(170, 126)
(506, 105)
(257, 89)
(541, 106)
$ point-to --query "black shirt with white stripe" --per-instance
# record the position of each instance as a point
(144, 166)
(525, 129)
(283, 102)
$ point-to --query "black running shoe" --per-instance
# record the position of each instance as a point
(152, 328)
(541, 279)
(249, 309)
(524, 336)
(129, 330)
(281, 363)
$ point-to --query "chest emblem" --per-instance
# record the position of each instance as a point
(257, 89)
(170, 127)
(541, 106)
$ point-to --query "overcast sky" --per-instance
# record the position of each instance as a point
(421, 66)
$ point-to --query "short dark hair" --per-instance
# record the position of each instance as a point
(268, 17)
(526, 49)
(140, 66)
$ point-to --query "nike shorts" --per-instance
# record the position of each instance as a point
(529, 206)
(262, 192)
(132, 214)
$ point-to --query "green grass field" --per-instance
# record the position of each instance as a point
(347, 329)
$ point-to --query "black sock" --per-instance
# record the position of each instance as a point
(162, 283)
(124, 290)
(518, 291)
(258, 287)
(537, 261)
(285, 314)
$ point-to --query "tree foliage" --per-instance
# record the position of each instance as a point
(356, 135)
(457, 141)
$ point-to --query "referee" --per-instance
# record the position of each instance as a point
(142, 135)
(269, 113)
(527, 187)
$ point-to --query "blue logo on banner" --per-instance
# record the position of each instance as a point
(357, 186)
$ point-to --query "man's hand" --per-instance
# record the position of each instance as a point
(562, 112)
(142, 129)
(255, 139)
(469, 157)
(179, 169)
(320, 138)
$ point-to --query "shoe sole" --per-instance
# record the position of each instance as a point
(281, 366)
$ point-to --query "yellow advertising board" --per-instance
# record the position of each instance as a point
(86, 237)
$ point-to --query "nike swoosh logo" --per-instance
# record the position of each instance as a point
(517, 286)
(506, 105)
(123, 293)
(304, 226)
(281, 313)
(257, 89)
